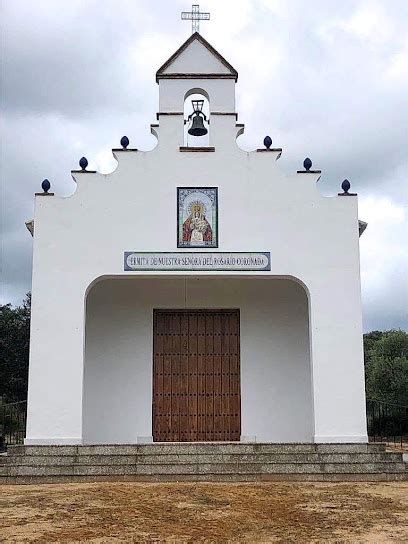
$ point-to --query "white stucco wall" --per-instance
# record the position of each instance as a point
(220, 91)
(196, 59)
(83, 237)
(276, 392)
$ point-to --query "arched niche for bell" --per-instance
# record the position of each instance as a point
(196, 118)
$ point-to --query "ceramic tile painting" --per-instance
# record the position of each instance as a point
(197, 217)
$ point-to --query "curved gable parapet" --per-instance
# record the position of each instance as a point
(249, 181)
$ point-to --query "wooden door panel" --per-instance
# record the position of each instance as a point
(180, 382)
(196, 375)
(209, 378)
(167, 375)
(225, 378)
(192, 377)
(217, 379)
(158, 385)
(201, 379)
(235, 379)
(175, 346)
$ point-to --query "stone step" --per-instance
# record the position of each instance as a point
(166, 478)
(204, 468)
(188, 458)
(202, 462)
(195, 448)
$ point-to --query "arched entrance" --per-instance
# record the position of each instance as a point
(275, 373)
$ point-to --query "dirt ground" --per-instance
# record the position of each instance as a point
(205, 512)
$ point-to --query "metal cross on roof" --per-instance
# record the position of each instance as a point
(196, 16)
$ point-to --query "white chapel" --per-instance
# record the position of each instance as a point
(197, 293)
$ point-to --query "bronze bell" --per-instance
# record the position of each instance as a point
(197, 126)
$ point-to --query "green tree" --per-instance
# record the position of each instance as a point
(370, 340)
(386, 356)
(14, 349)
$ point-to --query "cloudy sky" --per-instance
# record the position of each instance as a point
(324, 78)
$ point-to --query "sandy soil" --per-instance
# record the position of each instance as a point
(204, 512)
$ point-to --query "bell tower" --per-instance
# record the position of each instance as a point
(196, 68)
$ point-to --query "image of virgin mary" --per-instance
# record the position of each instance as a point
(196, 228)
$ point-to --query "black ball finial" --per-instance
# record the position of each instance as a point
(83, 163)
(267, 142)
(307, 163)
(46, 185)
(346, 186)
(124, 142)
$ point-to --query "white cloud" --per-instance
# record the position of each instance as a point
(397, 70)
(232, 16)
(384, 262)
(370, 22)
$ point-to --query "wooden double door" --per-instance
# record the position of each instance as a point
(196, 375)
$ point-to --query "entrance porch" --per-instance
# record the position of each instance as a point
(126, 368)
